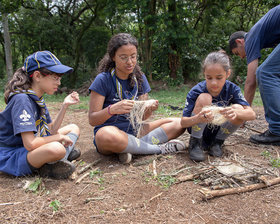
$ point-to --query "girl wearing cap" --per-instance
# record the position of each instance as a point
(29, 140)
(113, 92)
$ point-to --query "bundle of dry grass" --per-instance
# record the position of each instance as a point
(137, 113)
(219, 119)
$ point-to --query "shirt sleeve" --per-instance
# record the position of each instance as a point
(145, 86)
(238, 97)
(100, 84)
(23, 115)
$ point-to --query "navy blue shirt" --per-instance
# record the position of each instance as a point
(105, 86)
(20, 115)
(264, 34)
(230, 94)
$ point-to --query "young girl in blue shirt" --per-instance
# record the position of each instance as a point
(30, 142)
(215, 90)
(118, 85)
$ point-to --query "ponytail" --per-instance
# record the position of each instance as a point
(20, 81)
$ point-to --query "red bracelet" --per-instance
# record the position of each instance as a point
(108, 110)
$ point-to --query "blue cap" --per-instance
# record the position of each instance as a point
(45, 59)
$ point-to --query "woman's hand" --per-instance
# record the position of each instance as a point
(71, 99)
(122, 107)
(153, 106)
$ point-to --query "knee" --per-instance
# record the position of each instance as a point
(56, 150)
(204, 99)
(108, 135)
(237, 106)
(74, 129)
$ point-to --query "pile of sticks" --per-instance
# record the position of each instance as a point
(216, 184)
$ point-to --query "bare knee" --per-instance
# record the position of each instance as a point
(237, 106)
(111, 139)
(56, 150)
(74, 129)
(204, 99)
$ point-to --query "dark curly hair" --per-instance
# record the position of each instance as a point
(107, 63)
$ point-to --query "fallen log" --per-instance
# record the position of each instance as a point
(209, 194)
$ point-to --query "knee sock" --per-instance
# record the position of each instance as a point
(197, 130)
(155, 137)
(69, 149)
(226, 130)
(138, 146)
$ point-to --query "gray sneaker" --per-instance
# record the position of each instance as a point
(125, 158)
(173, 146)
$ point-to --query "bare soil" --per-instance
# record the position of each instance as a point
(117, 193)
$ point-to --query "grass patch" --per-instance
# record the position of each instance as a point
(173, 97)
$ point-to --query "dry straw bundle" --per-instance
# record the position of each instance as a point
(219, 119)
(137, 113)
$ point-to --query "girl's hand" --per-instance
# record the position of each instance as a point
(228, 113)
(205, 116)
(71, 99)
(122, 107)
(65, 140)
(153, 106)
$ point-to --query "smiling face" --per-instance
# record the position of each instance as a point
(125, 60)
(215, 77)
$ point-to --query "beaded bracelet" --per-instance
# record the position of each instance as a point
(108, 110)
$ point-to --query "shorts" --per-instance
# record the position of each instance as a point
(14, 161)
(209, 134)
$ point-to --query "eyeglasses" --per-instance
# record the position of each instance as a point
(125, 59)
(53, 76)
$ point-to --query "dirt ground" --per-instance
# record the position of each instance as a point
(117, 193)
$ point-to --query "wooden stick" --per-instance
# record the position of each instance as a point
(82, 177)
(156, 196)
(10, 203)
(208, 194)
(253, 129)
(192, 176)
(154, 168)
(88, 166)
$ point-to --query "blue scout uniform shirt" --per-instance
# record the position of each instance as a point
(264, 34)
(104, 85)
(230, 94)
(20, 115)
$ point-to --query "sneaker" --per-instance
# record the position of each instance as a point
(125, 158)
(58, 170)
(266, 138)
(196, 152)
(74, 154)
(216, 149)
(173, 146)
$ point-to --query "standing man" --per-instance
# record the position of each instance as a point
(264, 34)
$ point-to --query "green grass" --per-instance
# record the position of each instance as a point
(173, 96)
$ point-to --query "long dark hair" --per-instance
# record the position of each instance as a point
(107, 63)
(21, 81)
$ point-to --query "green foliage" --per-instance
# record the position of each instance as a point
(55, 205)
(174, 36)
(35, 185)
(166, 180)
(274, 162)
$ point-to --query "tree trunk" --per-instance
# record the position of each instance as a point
(173, 55)
(148, 33)
(7, 43)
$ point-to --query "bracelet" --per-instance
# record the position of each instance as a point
(108, 110)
